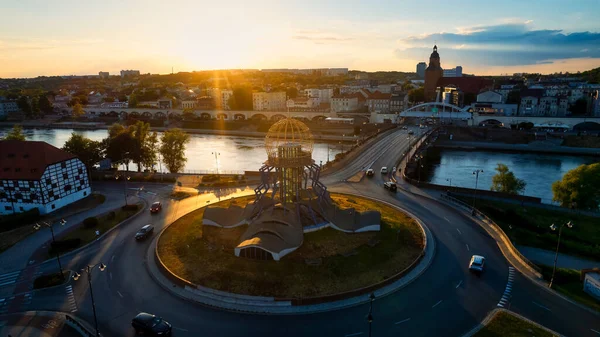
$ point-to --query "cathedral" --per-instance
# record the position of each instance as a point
(432, 74)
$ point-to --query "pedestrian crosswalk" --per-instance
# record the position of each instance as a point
(508, 290)
(72, 304)
(9, 278)
(18, 303)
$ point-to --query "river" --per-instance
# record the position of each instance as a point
(538, 170)
(234, 153)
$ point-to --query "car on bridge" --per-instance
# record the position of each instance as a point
(370, 172)
(390, 185)
(383, 170)
(156, 207)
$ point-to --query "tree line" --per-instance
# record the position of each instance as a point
(126, 145)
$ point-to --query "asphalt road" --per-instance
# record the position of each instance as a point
(446, 300)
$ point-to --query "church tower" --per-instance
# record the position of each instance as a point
(432, 74)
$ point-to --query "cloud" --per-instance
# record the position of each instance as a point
(322, 39)
(503, 44)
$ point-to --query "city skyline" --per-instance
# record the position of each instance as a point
(71, 38)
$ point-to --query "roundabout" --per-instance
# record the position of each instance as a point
(330, 264)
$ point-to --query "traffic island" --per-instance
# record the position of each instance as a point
(501, 322)
(330, 266)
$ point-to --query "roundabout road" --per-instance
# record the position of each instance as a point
(446, 300)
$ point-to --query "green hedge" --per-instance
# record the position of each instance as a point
(49, 280)
(60, 246)
(90, 222)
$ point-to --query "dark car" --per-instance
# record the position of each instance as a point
(390, 186)
(144, 232)
(156, 207)
(151, 325)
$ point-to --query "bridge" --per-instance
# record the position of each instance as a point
(202, 114)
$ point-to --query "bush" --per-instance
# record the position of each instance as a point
(132, 207)
(10, 222)
(90, 222)
(50, 280)
(61, 246)
(210, 178)
(111, 215)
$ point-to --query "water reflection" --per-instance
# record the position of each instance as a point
(538, 170)
(236, 153)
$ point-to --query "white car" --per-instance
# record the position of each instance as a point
(394, 169)
(477, 263)
(370, 172)
(384, 170)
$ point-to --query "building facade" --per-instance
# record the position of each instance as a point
(188, 104)
(269, 101)
(8, 107)
(398, 102)
(303, 103)
(421, 66)
(126, 73)
(454, 72)
(341, 103)
(378, 102)
(104, 74)
(432, 74)
(324, 95)
(39, 175)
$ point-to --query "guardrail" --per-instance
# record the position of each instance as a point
(496, 227)
(77, 326)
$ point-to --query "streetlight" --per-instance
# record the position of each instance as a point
(419, 157)
(88, 269)
(39, 225)
(125, 191)
(216, 154)
(476, 174)
(554, 227)
(370, 316)
(450, 181)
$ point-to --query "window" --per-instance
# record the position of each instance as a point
(21, 209)
(53, 207)
(67, 188)
(84, 193)
(80, 171)
(18, 196)
(65, 176)
(48, 181)
(7, 208)
(63, 165)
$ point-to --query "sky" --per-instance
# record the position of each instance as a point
(60, 37)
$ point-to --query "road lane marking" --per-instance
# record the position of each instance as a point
(467, 247)
(438, 303)
(458, 285)
(118, 292)
(112, 258)
(507, 290)
(446, 219)
(402, 321)
(541, 306)
(459, 232)
(110, 275)
(598, 332)
(354, 334)
(181, 329)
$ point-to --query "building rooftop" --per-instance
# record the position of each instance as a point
(467, 84)
(27, 160)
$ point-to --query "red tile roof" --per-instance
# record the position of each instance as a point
(27, 160)
(378, 95)
(466, 84)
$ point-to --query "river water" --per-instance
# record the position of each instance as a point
(234, 153)
(538, 170)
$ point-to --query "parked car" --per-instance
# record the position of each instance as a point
(151, 325)
(370, 172)
(411, 132)
(156, 207)
(477, 263)
(405, 128)
(394, 170)
(383, 170)
(390, 186)
(144, 232)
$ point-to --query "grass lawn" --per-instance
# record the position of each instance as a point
(205, 255)
(506, 325)
(531, 227)
(11, 237)
(106, 221)
(568, 283)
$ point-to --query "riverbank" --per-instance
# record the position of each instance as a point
(534, 147)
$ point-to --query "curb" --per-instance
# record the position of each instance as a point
(77, 250)
(82, 327)
(492, 314)
(265, 305)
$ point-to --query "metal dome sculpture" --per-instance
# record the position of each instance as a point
(289, 142)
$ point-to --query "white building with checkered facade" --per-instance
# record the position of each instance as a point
(39, 175)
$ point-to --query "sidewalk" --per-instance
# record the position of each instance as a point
(43, 324)
(546, 257)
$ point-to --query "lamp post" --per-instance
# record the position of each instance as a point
(476, 174)
(554, 227)
(125, 191)
(39, 225)
(88, 269)
(370, 316)
(419, 157)
(216, 154)
(450, 181)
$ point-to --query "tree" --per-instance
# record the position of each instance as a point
(150, 151)
(77, 110)
(172, 149)
(291, 92)
(506, 182)
(45, 105)
(188, 114)
(579, 188)
(143, 151)
(241, 98)
(35, 108)
(16, 133)
(24, 106)
(121, 145)
(416, 95)
(87, 150)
